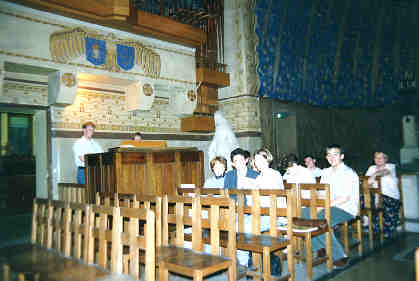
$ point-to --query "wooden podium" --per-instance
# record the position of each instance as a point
(147, 171)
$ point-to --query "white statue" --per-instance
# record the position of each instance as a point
(224, 140)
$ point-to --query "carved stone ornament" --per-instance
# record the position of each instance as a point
(191, 95)
(68, 80)
(147, 90)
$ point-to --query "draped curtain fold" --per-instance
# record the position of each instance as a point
(360, 132)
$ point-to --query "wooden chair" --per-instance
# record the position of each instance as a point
(59, 227)
(372, 208)
(77, 244)
(102, 232)
(72, 192)
(356, 225)
(132, 241)
(255, 242)
(401, 214)
(194, 263)
(153, 203)
(306, 229)
(42, 214)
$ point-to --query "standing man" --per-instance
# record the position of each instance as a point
(85, 145)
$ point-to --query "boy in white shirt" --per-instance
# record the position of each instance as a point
(344, 197)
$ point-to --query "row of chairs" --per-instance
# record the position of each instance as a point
(314, 203)
(290, 208)
(86, 234)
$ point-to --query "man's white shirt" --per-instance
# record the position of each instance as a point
(343, 182)
(84, 146)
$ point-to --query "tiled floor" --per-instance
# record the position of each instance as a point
(385, 263)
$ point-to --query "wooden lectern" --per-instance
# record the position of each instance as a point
(143, 171)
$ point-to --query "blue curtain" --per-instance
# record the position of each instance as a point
(297, 65)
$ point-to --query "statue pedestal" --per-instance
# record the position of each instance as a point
(410, 193)
(410, 150)
(409, 155)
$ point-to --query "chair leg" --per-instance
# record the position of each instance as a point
(290, 259)
(163, 272)
(346, 237)
(381, 224)
(359, 236)
(232, 272)
(198, 276)
(266, 264)
(6, 272)
(309, 257)
(21, 277)
(370, 231)
(257, 262)
(329, 251)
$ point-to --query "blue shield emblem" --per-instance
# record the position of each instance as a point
(125, 56)
(95, 51)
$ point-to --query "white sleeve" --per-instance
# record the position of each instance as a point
(371, 170)
(392, 169)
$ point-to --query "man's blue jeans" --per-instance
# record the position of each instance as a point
(337, 216)
(80, 175)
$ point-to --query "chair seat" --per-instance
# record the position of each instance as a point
(256, 243)
(302, 222)
(186, 261)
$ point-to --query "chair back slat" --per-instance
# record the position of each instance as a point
(372, 195)
(79, 215)
(102, 232)
(60, 226)
(132, 239)
(155, 204)
(215, 215)
(319, 198)
(40, 222)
